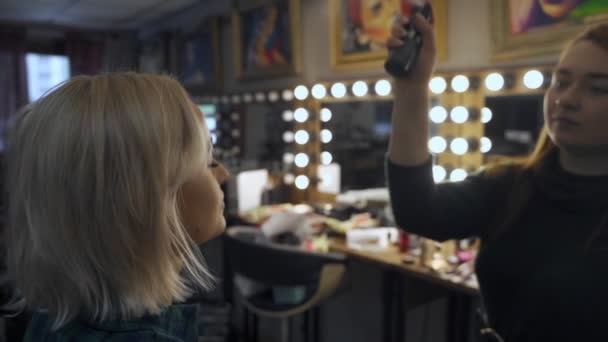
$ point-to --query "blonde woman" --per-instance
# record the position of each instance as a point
(111, 187)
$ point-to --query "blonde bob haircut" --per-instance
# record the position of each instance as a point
(94, 169)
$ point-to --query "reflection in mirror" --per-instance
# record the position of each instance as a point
(268, 135)
(359, 139)
(515, 124)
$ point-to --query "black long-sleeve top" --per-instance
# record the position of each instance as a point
(541, 279)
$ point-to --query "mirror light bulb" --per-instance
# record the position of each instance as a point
(534, 79)
(438, 114)
(439, 173)
(338, 90)
(458, 175)
(301, 92)
(302, 182)
(495, 81)
(459, 146)
(318, 91)
(438, 85)
(360, 88)
(459, 114)
(325, 114)
(383, 87)
(326, 158)
(301, 137)
(437, 144)
(460, 83)
(301, 115)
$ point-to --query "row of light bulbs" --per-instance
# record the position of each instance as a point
(302, 137)
(459, 146)
(458, 114)
(302, 159)
(301, 115)
(441, 174)
(339, 90)
(271, 96)
(532, 79)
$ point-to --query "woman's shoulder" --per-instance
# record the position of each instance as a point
(176, 324)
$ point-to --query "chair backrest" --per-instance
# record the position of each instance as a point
(273, 264)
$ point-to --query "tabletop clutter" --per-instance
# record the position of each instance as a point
(312, 227)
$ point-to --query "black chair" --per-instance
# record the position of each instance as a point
(274, 265)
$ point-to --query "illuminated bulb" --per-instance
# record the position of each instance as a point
(288, 137)
(247, 98)
(459, 146)
(288, 178)
(301, 160)
(260, 97)
(301, 137)
(318, 91)
(338, 90)
(325, 114)
(301, 92)
(458, 175)
(438, 114)
(485, 145)
(486, 115)
(459, 114)
(439, 173)
(225, 99)
(288, 158)
(438, 85)
(236, 99)
(287, 115)
(301, 115)
(302, 182)
(533, 79)
(326, 158)
(360, 88)
(326, 136)
(495, 81)
(273, 96)
(287, 95)
(460, 83)
(437, 144)
(383, 87)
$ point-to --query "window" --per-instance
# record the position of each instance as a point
(44, 72)
(210, 113)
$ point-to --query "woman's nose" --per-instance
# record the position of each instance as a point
(569, 98)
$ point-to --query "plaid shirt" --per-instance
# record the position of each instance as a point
(178, 323)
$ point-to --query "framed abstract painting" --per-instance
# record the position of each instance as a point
(359, 30)
(532, 28)
(266, 38)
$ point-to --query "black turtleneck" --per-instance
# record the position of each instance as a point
(545, 276)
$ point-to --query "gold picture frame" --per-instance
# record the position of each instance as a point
(343, 60)
(282, 18)
(545, 40)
